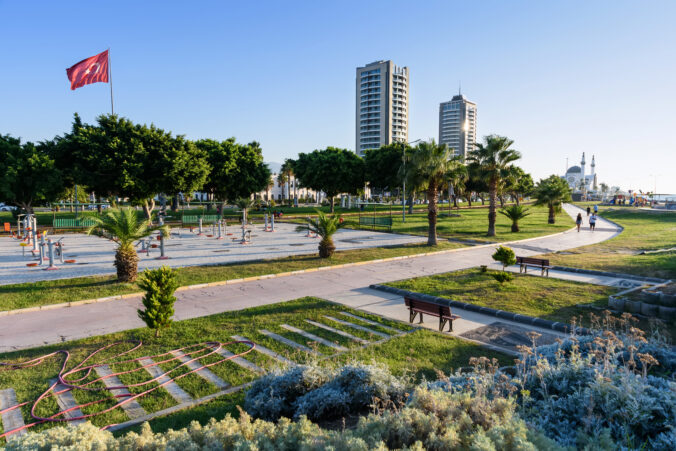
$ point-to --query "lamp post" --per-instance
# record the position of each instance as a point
(403, 190)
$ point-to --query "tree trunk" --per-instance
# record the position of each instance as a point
(502, 201)
(326, 248)
(515, 226)
(332, 202)
(126, 263)
(469, 200)
(432, 196)
(148, 207)
(552, 215)
(174, 203)
(99, 208)
(410, 203)
(492, 201)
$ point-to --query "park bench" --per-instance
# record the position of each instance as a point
(376, 221)
(420, 307)
(66, 223)
(188, 220)
(540, 263)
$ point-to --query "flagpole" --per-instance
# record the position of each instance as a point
(110, 79)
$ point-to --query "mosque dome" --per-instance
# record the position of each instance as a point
(574, 170)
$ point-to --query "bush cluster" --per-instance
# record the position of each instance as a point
(322, 393)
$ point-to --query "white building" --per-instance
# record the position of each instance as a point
(457, 125)
(282, 191)
(381, 105)
(575, 175)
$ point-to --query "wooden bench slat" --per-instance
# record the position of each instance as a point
(420, 307)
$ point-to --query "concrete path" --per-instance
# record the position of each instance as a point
(347, 285)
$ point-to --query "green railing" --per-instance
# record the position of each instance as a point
(194, 219)
(60, 223)
(376, 221)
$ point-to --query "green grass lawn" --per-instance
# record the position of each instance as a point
(543, 297)
(418, 354)
(472, 224)
(643, 230)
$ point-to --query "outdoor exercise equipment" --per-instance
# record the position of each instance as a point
(50, 246)
(75, 377)
(162, 256)
(246, 236)
(265, 229)
(220, 229)
(309, 233)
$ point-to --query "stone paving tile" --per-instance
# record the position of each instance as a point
(357, 326)
(263, 350)
(204, 373)
(288, 342)
(10, 420)
(337, 331)
(132, 408)
(314, 337)
(170, 386)
(66, 401)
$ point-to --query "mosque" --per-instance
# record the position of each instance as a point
(575, 175)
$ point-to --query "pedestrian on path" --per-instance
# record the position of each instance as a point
(592, 222)
(588, 211)
(596, 208)
(578, 221)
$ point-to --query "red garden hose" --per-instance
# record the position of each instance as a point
(85, 370)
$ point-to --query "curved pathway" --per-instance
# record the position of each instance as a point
(346, 285)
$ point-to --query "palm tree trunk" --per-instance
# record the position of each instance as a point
(332, 202)
(432, 196)
(552, 215)
(492, 201)
(148, 207)
(410, 203)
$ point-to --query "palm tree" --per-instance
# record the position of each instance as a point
(429, 166)
(456, 179)
(244, 203)
(552, 192)
(516, 213)
(124, 226)
(494, 158)
(324, 226)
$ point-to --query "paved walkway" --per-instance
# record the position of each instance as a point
(347, 285)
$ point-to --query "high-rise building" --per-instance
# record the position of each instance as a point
(457, 124)
(382, 105)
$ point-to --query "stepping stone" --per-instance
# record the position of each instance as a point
(172, 387)
(314, 337)
(373, 323)
(66, 401)
(266, 351)
(357, 326)
(288, 342)
(132, 408)
(337, 331)
(11, 420)
(241, 361)
(204, 373)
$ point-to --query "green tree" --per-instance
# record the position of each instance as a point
(494, 159)
(504, 255)
(28, 175)
(552, 192)
(325, 226)
(331, 170)
(381, 166)
(118, 158)
(430, 165)
(160, 285)
(124, 227)
(519, 183)
(237, 170)
(515, 213)
(457, 179)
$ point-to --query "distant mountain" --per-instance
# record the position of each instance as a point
(274, 167)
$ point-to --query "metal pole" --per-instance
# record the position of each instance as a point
(51, 266)
(76, 202)
(110, 80)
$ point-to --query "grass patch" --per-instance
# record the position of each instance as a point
(644, 230)
(472, 224)
(543, 297)
(419, 353)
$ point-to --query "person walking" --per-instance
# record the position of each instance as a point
(592, 222)
(578, 221)
(596, 209)
(588, 211)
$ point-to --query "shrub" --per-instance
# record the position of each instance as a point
(321, 393)
(483, 268)
(505, 256)
(159, 285)
(503, 277)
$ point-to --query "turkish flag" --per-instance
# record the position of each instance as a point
(91, 70)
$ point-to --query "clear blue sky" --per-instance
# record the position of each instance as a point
(559, 77)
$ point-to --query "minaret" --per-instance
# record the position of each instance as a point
(582, 163)
(593, 172)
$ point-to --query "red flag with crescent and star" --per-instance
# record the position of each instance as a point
(91, 70)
